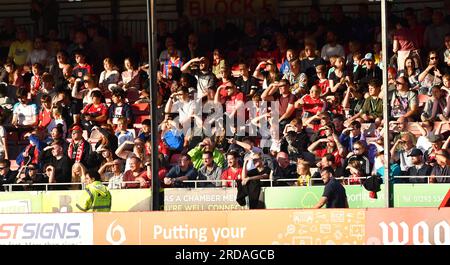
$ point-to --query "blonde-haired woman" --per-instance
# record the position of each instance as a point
(78, 175)
(110, 76)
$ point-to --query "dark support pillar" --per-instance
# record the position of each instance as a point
(115, 11)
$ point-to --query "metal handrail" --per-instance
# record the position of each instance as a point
(83, 185)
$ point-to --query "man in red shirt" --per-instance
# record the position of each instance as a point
(94, 114)
(285, 98)
(137, 174)
(234, 170)
(234, 103)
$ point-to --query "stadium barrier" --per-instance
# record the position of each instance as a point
(375, 226)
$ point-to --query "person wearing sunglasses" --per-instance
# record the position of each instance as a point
(432, 75)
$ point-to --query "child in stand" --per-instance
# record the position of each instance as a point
(122, 133)
(322, 80)
(354, 167)
(36, 83)
(57, 118)
(303, 172)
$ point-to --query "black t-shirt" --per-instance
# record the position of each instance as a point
(256, 172)
(246, 86)
(335, 193)
(308, 67)
(289, 172)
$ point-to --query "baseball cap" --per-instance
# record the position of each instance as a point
(368, 56)
(416, 152)
(76, 128)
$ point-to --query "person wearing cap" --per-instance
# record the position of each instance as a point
(419, 168)
(371, 71)
(441, 171)
(96, 197)
(79, 149)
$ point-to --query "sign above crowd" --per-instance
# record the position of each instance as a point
(233, 8)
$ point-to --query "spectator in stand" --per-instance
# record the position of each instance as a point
(45, 114)
(62, 165)
(39, 54)
(351, 135)
(359, 154)
(31, 176)
(20, 48)
(207, 145)
(181, 172)
(371, 71)
(280, 91)
(264, 51)
(447, 51)
(321, 80)
(250, 184)
(218, 63)
(48, 86)
(81, 68)
(234, 170)
(419, 168)
(130, 77)
(404, 102)
(297, 79)
(173, 61)
(25, 113)
(78, 175)
(311, 104)
(310, 62)
(372, 110)
(332, 47)
(57, 119)
(403, 147)
(3, 144)
(339, 78)
(328, 145)
(283, 169)
(122, 133)
(193, 49)
(36, 83)
(435, 33)
(56, 68)
(82, 90)
(79, 149)
(136, 174)
(99, 45)
(434, 106)
(184, 106)
(164, 55)
(286, 65)
(110, 77)
(441, 171)
(234, 115)
(145, 131)
(7, 176)
(432, 75)
(119, 108)
(209, 171)
(405, 44)
(114, 176)
(411, 72)
(129, 150)
(205, 78)
(14, 75)
(267, 72)
(94, 114)
(246, 83)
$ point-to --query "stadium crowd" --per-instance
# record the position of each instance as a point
(266, 101)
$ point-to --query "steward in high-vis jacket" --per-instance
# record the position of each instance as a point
(96, 197)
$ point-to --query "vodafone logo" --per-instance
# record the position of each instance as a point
(112, 231)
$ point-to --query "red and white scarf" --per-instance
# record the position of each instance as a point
(80, 150)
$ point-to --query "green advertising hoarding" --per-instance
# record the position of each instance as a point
(21, 202)
(307, 197)
(419, 195)
(65, 201)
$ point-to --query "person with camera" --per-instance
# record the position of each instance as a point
(401, 151)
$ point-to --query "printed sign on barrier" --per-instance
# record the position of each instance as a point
(46, 229)
(307, 197)
(203, 199)
(405, 226)
(20, 202)
(306, 227)
(419, 195)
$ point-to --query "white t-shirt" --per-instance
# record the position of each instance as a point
(25, 113)
(2, 135)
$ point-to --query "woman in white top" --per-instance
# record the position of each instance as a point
(110, 76)
(83, 91)
(3, 144)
